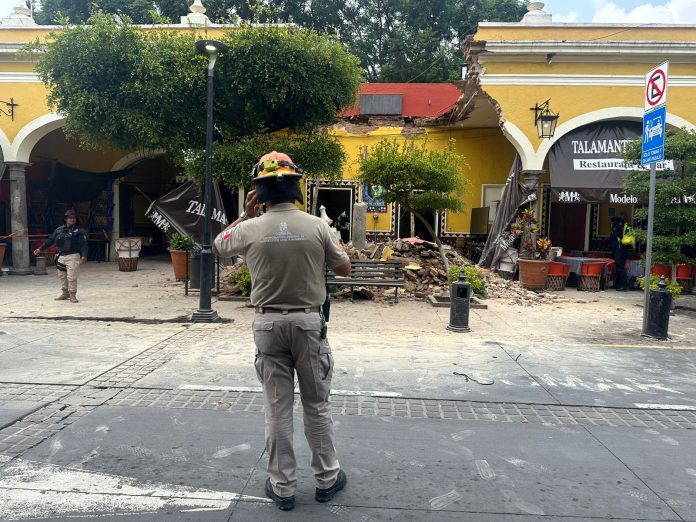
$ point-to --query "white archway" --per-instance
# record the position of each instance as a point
(611, 113)
(521, 143)
(5, 146)
(30, 134)
(127, 160)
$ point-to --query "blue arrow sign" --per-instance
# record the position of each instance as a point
(654, 127)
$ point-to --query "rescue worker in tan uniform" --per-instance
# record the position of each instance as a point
(286, 251)
(71, 242)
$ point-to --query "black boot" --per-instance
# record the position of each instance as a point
(283, 503)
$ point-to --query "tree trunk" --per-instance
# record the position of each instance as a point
(315, 196)
(413, 224)
(436, 239)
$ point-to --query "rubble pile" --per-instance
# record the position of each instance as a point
(499, 288)
(228, 285)
(424, 274)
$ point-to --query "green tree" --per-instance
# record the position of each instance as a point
(395, 40)
(125, 88)
(78, 11)
(321, 157)
(675, 198)
(418, 179)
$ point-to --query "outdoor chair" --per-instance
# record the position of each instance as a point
(662, 269)
(685, 276)
(590, 276)
(558, 275)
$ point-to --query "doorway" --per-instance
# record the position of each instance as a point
(567, 227)
(414, 227)
(338, 202)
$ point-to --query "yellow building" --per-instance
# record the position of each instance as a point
(592, 74)
(594, 77)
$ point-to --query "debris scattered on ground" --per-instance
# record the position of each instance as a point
(424, 274)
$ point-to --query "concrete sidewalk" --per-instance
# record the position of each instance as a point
(152, 294)
(554, 412)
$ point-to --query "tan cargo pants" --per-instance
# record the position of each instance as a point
(285, 344)
(68, 280)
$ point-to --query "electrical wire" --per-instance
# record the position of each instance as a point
(619, 32)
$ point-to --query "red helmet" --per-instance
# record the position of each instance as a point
(275, 165)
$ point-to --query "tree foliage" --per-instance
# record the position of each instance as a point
(120, 87)
(675, 198)
(417, 178)
(320, 157)
(395, 40)
(78, 11)
(130, 89)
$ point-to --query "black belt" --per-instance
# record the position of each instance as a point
(67, 253)
(269, 310)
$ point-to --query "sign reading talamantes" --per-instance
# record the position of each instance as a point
(587, 164)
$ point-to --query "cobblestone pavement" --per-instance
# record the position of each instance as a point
(417, 408)
(68, 404)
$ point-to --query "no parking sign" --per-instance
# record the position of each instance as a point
(655, 115)
(656, 87)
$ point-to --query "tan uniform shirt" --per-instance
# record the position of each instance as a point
(286, 251)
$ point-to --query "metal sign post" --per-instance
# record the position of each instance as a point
(654, 127)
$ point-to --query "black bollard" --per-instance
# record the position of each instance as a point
(658, 311)
(460, 297)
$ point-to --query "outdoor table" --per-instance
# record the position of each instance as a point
(634, 268)
(576, 263)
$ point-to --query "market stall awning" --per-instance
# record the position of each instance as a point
(587, 164)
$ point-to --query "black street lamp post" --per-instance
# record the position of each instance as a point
(205, 312)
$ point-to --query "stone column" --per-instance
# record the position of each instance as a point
(530, 179)
(19, 224)
(359, 228)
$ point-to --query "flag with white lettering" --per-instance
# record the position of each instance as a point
(587, 164)
(182, 210)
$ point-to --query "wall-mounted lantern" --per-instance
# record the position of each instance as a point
(544, 120)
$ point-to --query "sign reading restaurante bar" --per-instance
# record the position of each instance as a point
(587, 164)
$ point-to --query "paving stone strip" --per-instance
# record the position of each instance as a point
(70, 403)
(33, 392)
(556, 415)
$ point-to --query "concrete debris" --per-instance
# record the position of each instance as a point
(424, 277)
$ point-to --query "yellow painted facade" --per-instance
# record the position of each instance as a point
(589, 72)
(582, 69)
(488, 156)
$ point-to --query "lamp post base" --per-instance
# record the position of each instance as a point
(204, 316)
(460, 329)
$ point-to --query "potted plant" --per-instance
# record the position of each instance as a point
(534, 252)
(180, 247)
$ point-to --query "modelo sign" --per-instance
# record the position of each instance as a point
(587, 164)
